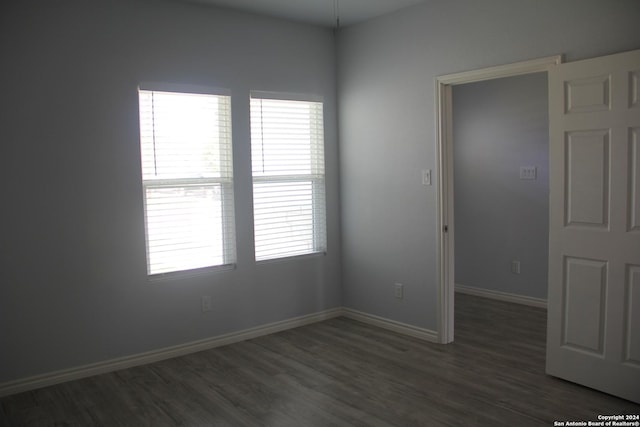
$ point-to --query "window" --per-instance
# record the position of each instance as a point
(287, 155)
(185, 141)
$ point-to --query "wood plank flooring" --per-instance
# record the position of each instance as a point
(337, 373)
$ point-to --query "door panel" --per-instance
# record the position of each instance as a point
(587, 178)
(593, 335)
(587, 95)
(634, 89)
(632, 316)
(634, 180)
(584, 298)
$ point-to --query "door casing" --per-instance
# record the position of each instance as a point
(444, 154)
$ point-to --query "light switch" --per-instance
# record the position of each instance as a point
(426, 177)
(528, 172)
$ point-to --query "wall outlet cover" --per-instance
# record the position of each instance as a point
(206, 303)
(398, 289)
(515, 267)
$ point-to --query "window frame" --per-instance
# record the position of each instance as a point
(316, 179)
(225, 183)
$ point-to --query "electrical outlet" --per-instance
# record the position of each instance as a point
(206, 303)
(398, 289)
(515, 267)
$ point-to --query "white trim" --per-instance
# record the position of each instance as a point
(287, 96)
(444, 239)
(444, 154)
(183, 88)
(64, 375)
(502, 296)
(538, 65)
(51, 378)
(392, 325)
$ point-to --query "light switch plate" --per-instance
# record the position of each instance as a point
(528, 172)
(426, 177)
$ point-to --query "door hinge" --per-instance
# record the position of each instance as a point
(445, 228)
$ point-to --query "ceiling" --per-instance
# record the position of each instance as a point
(317, 12)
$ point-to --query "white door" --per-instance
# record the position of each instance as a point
(593, 335)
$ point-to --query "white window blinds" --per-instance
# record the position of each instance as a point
(187, 176)
(287, 153)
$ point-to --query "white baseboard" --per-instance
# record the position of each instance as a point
(502, 296)
(57, 377)
(392, 325)
(84, 371)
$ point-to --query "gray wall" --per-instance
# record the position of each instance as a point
(73, 285)
(387, 68)
(498, 126)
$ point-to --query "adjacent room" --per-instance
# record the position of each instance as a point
(248, 281)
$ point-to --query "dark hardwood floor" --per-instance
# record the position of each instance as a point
(337, 373)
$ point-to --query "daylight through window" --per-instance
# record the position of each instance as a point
(287, 154)
(185, 140)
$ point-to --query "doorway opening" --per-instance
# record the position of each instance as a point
(446, 155)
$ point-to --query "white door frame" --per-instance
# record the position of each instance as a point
(444, 154)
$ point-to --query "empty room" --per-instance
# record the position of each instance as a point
(253, 213)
